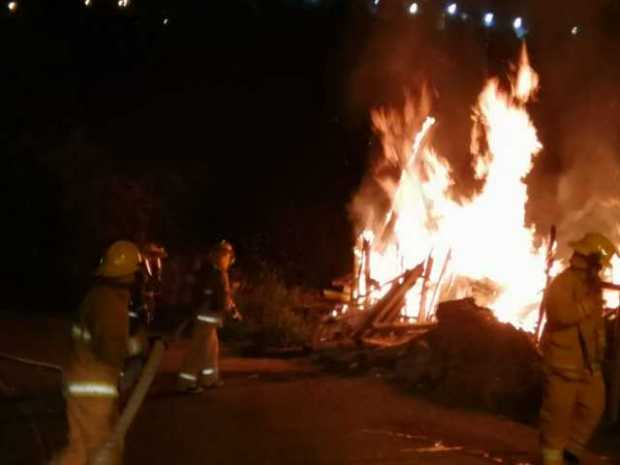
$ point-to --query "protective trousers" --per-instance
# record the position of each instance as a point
(570, 412)
(201, 364)
(91, 420)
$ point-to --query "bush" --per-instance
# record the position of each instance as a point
(272, 318)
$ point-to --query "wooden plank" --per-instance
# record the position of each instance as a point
(444, 268)
(393, 299)
(425, 282)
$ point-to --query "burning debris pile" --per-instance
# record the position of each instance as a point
(407, 212)
(447, 288)
(445, 291)
(466, 358)
(412, 226)
(360, 323)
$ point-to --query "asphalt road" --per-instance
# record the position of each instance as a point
(288, 412)
(268, 412)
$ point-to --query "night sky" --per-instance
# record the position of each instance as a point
(191, 121)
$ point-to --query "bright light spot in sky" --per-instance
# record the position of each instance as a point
(86, 2)
(414, 8)
(452, 9)
(123, 3)
(575, 30)
(376, 2)
(519, 27)
(517, 23)
(488, 19)
(165, 21)
(12, 6)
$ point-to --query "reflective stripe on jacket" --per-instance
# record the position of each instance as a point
(91, 389)
(100, 341)
(210, 317)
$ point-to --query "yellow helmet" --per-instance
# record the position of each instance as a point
(121, 259)
(595, 244)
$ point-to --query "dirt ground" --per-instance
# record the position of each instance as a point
(283, 412)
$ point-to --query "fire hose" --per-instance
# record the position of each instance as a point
(136, 399)
(7, 390)
(27, 361)
(106, 453)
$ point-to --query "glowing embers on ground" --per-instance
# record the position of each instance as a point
(479, 247)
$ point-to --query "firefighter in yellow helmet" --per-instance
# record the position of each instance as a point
(573, 346)
(101, 343)
(212, 299)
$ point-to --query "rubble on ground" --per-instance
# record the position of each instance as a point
(472, 359)
(468, 358)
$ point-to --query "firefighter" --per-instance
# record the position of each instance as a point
(212, 299)
(573, 347)
(142, 307)
(140, 318)
(101, 343)
(153, 256)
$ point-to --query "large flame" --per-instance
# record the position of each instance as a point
(480, 247)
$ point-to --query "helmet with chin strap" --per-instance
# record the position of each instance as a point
(595, 244)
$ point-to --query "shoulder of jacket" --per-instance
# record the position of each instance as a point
(104, 293)
(568, 275)
(566, 279)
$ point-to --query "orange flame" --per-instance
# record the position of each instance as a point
(490, 250)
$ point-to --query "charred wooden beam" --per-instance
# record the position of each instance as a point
(378, 343)
(439, 282)
(610, 286)
(404, 326)
(336, 296)
(367, 274)
(550, 259)
(394, 311)
(393, 300)
(425, 281)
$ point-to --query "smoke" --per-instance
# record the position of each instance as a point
(575, 181)
(410, 70)
(396, 129)
(584, 195)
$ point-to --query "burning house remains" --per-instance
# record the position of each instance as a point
(406, 213)
(478, 247)
(448, 289)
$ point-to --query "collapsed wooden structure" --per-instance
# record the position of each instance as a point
(378, 324)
